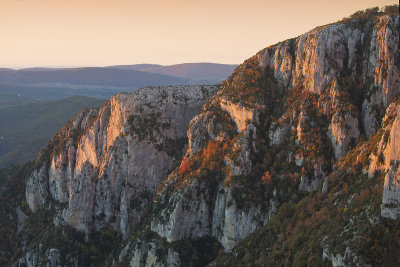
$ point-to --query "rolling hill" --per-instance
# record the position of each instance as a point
(88, 76)
(27, 125)
(103, 82)
(192, 71)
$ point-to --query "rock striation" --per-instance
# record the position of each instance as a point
(319, 59)
(328, 63)
(110, 160)
(387, 159)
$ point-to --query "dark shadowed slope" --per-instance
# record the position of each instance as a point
(27, 126)
(59, 91)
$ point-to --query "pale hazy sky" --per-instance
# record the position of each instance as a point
(109, 32)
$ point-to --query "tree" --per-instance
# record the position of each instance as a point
(186, 166)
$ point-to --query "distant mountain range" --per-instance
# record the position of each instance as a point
(204, 71)
(106, 81)
(87, 76)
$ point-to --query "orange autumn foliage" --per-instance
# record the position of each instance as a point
(212, 156)
(266, 178)
(186, 166)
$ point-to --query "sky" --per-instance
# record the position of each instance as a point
(72, 33)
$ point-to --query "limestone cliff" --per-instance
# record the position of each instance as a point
(386, 158)
(329, 59)
(330, 78)
(108, 162)
(281, 126)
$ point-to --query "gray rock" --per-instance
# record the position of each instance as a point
(103, 175)
(21, 218)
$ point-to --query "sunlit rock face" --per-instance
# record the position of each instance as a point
(201, 208)
(319, 58)
(383, 69)
(387, 159)
(342, 132)
(241, 115)
(112, 159)
(318, 62)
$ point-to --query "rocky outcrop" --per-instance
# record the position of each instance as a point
(391, 193)
(312, 59)
(113, 158)
(50, 257)
(141, 253)
(383, 69)
(343, 132)
(277, 133)
(231, 224)
(187, 214)
(36, 192)
(387, 159)
(325, 62)
(190, 214)
(21, 219)
(392, 150)
(240, 115)
(338, 260)
(318, 59)
(300, 126)
(197, 209)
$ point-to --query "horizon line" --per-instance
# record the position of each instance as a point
(105, 66)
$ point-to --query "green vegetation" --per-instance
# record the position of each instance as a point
(71, 243)
(192, 252)
(48, 92)
(148, 126)
(9, 100)
(39, 228)
(250, 85)
(26, 127)
(365, 15)
(347, 216)
(12, 194)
